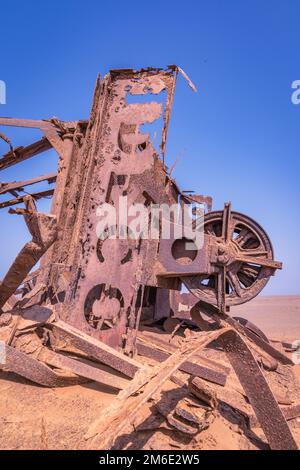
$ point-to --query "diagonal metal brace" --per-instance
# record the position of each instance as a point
(260, 396)
(43, 229)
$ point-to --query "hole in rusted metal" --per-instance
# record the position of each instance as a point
(180, 252)
(102, 307)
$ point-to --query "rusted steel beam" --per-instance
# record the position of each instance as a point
(49, 128)
(19, 199)
(188, 367)
(122, 412)
(289, 412)
(261, 262)
(260, 342)
(259, 394)
(212, 312)
(43, 229)
(7, 140)
(19, 185)
(164, 345)
(250, 326)
(21, 154)
(34, 370)
(83, 369)
(96, 349)
(15, 122)
(203, 391)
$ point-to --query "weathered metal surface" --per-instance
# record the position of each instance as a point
(43, 229)
(258, 392)
(289, 412)
(123, 411)
(106, 278)
(99, 286)
(242, 255)
(189, 367)
(248, 324)
(202, 390)
(34, 370)
(165, 345)
(21, 154)
(20, 199)
(180, 417)
(82, 369)
(263, 346)
(101, 289)
(19, 185)
(96, 349)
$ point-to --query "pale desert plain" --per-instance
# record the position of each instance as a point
(34, 417)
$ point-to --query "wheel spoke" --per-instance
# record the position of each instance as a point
(244, 235)
(245, 279)
(221, 294)
(234, 282)
(214, 228)
(256, 253)
(252, 271)
(268, 263)
(248, 274)
(209, 229)
(226, 225)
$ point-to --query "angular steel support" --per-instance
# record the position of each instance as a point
(258, 392)
(34, 370)
(19, 185)
(96, 349)
(23, 153)
(43, 229)
(20, 199)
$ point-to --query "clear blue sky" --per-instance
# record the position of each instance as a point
(239, 135)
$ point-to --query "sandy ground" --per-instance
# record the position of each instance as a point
(277, 316)
(33, 417)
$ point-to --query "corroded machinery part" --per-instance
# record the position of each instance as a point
(243, 261)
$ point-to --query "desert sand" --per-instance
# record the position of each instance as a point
(34, 417)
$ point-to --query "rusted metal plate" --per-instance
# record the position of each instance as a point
(258, 392)
(189, 367)
(34, 370)
(96, 349)
(106, 278)
(162, 343)
(212, 312)
(83, 369)
(289, 412)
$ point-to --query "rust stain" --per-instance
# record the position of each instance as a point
(90, 296)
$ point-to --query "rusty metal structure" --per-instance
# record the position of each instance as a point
(90, 295)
